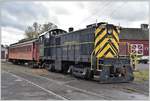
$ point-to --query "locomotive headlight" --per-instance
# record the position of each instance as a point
(109, 31)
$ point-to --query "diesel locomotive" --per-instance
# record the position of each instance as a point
(85, 53)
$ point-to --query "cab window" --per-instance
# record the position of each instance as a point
(41, 39)
(47, 35)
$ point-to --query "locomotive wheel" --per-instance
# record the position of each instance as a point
(129, 73)
(65, 68)
(52, 68)
(89, 74)
(16, 63)
(70, 70)
(43, 65)
(47, 67)
(31, 65)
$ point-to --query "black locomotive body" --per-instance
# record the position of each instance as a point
(77, 52)
(69, 48)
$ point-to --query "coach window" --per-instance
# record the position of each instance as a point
(29, 48)
(26, 48)
(22, 49)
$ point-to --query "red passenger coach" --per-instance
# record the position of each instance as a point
(24, 52)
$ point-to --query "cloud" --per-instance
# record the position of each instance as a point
(118, 11)
(20, 14)
(81, 5)
(60, 11)
(16, 16)
(132, 11)
(11, 35)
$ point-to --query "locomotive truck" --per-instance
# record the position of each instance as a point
(86, 53)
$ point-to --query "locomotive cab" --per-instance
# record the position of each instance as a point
(46, 41)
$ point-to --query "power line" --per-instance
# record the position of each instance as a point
(103, 7)
(106, 5)
(115, 10)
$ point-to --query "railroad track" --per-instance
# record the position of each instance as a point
(55, 82)
(23, 73)
(65, 89)
(48, 91)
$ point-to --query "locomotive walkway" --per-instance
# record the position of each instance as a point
(22, 83)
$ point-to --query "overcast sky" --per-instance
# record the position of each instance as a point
(16, 16)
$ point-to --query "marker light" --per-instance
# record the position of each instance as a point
(109, 31)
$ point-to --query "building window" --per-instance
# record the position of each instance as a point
(137, 49)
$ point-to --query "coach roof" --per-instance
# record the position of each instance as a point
(23, 43)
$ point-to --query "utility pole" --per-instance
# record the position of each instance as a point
(96, 22)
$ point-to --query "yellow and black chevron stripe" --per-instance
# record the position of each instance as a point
(106, 45)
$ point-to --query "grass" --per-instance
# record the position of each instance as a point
(141, 75)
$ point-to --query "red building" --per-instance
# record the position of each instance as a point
(138, 38)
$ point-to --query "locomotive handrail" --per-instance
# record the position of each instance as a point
(91, 58)
(88, 42)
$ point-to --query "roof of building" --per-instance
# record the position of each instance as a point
(125, 33)
(134, 34)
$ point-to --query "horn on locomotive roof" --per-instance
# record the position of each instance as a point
(70, 29)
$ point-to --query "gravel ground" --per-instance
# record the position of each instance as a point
(23, 83)
(16, 88)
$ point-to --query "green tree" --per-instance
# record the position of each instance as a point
(29, 32)
(36, 29)
(48, 26)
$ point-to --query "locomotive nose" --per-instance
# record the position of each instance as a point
(106, 41)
